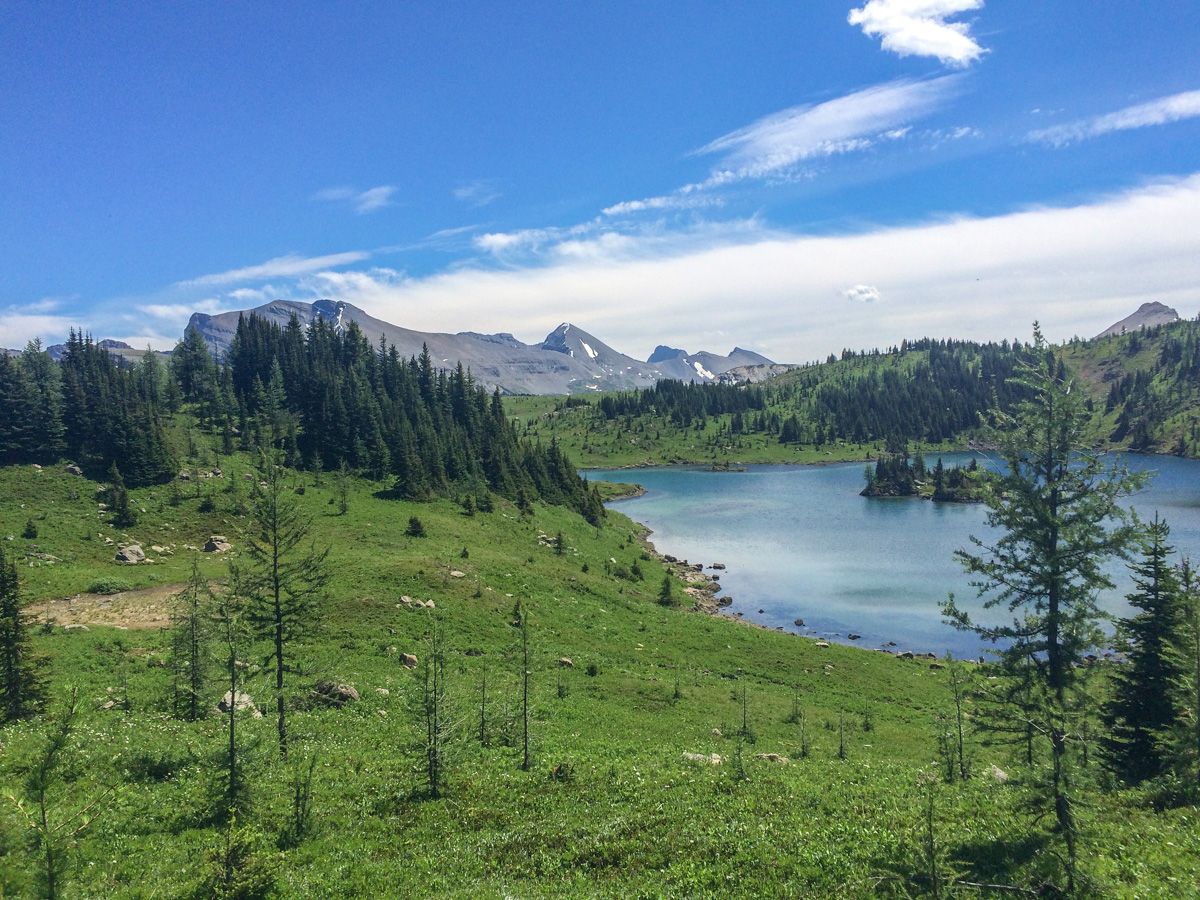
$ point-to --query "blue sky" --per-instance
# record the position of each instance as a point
(790, 177)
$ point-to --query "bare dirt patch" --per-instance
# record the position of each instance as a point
(145, 608)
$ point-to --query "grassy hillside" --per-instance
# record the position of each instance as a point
(1144, 390)
(611, 807)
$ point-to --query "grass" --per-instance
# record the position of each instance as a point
(626, 815)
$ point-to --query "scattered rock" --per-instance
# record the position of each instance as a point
(761, 610)
(429, 604)
(74, 470)
(936, 665)
(890, 644)
(239, 702)
(799, 623)
(565, 662)
(454, 573)
(854, 637)
(218, 543)
(247, 477)
(718, 566)
(822, 643)
(131, 554)
(716, 732)
(712, 759)
(75, 627)
(725, 601)
(406, 600)
(904, 654)
(408, 660)
(383, 692)
(997, 774)
(335, 693)
(772, 757)
(184, 476)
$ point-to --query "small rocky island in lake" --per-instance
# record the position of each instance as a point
(899, 475)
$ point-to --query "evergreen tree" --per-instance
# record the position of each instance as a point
(666, 594)
(1179, 743)
(283, 580)
(123, 515)
(189, 646)
(19, 668)
(1056, 508)
(1142, 705)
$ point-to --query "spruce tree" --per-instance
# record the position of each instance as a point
(1142, 705)
(1179, 743)
(123, 515)
(19, 668)
(1059, 520)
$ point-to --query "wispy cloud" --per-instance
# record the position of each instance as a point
(287, 266)
(842, 125)
(919, 28)
(1162, 111)
(776, 146)
(360, 201)
(477, 193)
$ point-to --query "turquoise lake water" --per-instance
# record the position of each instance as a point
(799, 542)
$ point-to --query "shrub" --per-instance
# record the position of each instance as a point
(31, 531)
(109, 586)
(416, 527)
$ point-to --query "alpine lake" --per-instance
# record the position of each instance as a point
(799, 543)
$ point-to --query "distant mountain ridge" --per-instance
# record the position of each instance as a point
(568, 361)
(1146, 316)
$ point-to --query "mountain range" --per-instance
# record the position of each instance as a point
(568, 361)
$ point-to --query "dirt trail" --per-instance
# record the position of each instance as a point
(141, 609)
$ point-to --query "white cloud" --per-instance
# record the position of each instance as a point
(477, 193)
(286, 266)
(862, 293)
(1162, 111)
(17, 327)
(919, 28)
(1076, 269)
(360, 201)
(842, 125)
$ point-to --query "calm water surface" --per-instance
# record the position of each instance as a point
(800, 543)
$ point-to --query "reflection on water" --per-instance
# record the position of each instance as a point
(800, 543)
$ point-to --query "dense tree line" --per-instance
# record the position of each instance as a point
(88, 408)
(927, 390)
(324, 397)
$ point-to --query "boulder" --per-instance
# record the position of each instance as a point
(217, 543)
(719, 566)
(454, 573)
(712, 759)
(565, 662)
(936, 665)
(799, 623)
(772, 757)
(335, 693)
(408, 660)
(429, 604)
(239, 702)
(75, 626)
(132, 554)
(184, 476)
(822, 643)
(904, 654)
(74, 470)
(854, 637)
(997, 774)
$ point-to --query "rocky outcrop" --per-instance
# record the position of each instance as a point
(131, 554)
